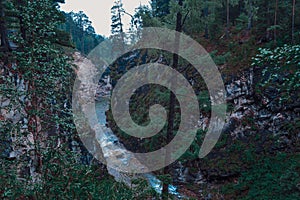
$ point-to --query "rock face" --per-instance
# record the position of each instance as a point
(255, 117)
(104, 88)
(250, 112)
(11, 113)
(254, 111)
(16, 142)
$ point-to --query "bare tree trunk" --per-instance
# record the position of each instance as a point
(206, 35)
(21, 21)
(3, 30)
(171, 115)
(82, 42)
(275, 23)
(228, 19)
(293, 22)
(250, 19)
(269, 23)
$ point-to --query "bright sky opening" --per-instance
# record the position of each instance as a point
(99, 12)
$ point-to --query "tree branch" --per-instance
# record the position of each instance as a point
(185, 17)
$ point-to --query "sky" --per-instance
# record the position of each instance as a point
(99, 13)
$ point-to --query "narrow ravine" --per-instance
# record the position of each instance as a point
(115, 152)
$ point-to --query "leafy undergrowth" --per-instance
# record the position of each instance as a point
(274, 177)
(232, 55)
(63, 177)
(248, 169)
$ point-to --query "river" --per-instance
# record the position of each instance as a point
(117, 154)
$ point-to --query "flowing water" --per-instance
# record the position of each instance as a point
(116, 154)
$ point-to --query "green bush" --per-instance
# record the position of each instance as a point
(275, 177)
(281, 63)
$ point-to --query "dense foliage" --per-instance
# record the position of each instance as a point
(36, 128)
(79, 27)
(282, 60)
(266, 179)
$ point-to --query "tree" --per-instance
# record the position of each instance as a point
(202, 17)
(171, 114)
(228, 4)
(3, 27)
(116, 18)
(250, 10)
(83, 24)
(117, 31)
(293, 22)
(275, 22)
(206, 10)
(227, 18)
(82, 36)
(160, 8)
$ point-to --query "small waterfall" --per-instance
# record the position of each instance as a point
(182, 171)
